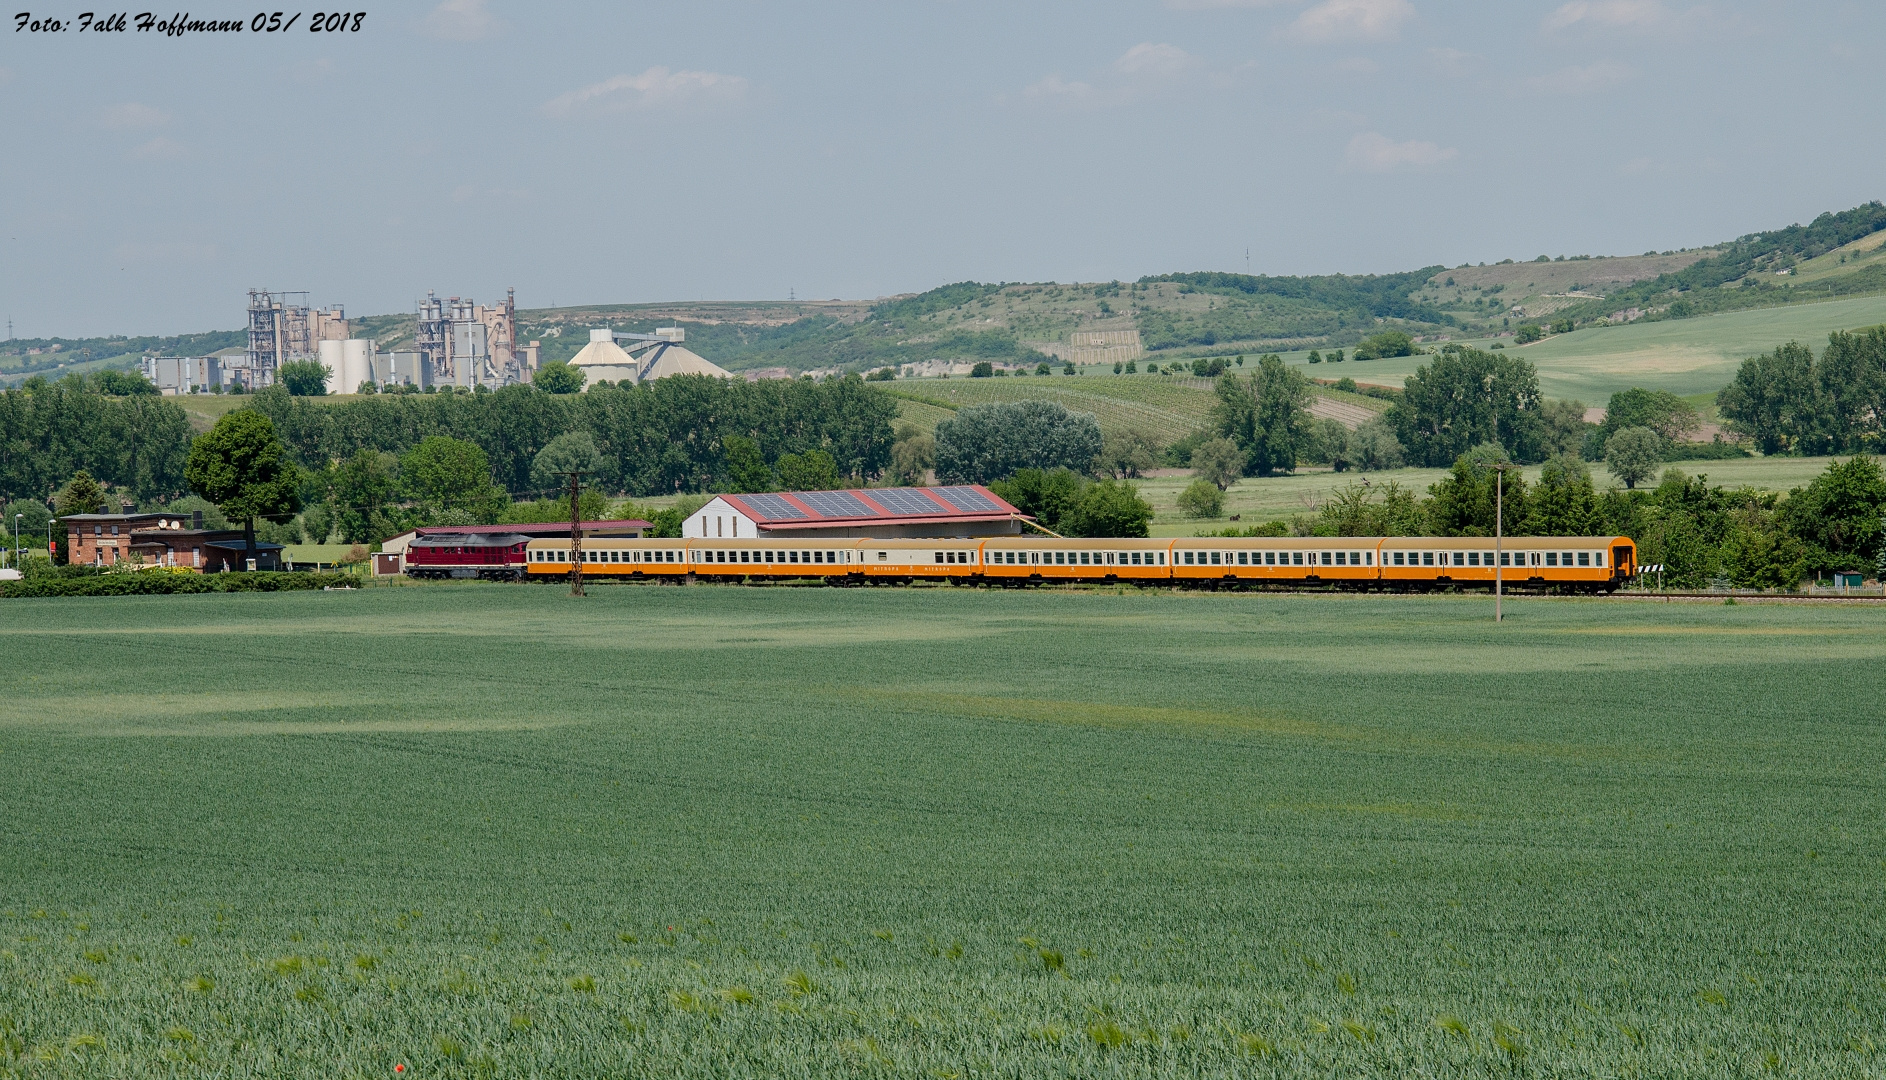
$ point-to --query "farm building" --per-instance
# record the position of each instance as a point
(391, 558)
(967, 510)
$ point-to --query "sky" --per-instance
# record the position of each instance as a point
(637, 152)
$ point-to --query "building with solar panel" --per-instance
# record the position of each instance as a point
(885, 513)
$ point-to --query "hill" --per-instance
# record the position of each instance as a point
(1181, 316)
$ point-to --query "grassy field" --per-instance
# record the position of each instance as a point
(492, 831)
(1257, 500)
(1684, 356)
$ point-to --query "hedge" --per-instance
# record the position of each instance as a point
(152, 583)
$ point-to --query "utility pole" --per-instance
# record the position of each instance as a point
(1499, 532)
(576, 536)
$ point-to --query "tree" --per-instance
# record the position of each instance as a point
(1467, 501)
(1070, 369)
(1218, 462)
(1325, 442)
(987, 442)
(1773, 398)
(572, 451)
(304, 378)
(1564, 503)
(363, 492)
(124, 383)
(1672, 418)
(1110, 508)
(1386, 343)
(813, 470)
(1266, 415)
(1466, 397)
(1563, 326)
(448, 476)
(242, 467)
(1046, 495)
(912, 456)
(982, 370)
(1562, 427)
(557, 377)
(883, 374)
(1528, 334)
(1202, 499)
(80, 495)
(1633, 454)
(1373, 446)
(1127, 453)
(1838, 515)
(747, 471)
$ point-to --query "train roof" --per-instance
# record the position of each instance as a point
(480, 539)
(858, 507)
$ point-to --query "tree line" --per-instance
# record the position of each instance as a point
(1701, 534)
(1791, 401)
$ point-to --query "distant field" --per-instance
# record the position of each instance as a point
(1166, 407)
(1259, 500)
(708, 832)
(1684, 356)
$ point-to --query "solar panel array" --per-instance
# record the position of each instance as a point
(840, 504)
(906, 501)
(966, 499)
(772, 507)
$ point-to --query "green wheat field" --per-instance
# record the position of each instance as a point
(495, 831)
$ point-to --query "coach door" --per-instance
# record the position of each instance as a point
(1621, 562)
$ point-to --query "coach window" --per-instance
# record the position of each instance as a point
(831, 556)
(1506, 558)
(1597, 558)
(1486, 558)
(1584, 558)
(1473, 558)
(1355, 558)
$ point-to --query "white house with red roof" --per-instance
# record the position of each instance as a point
(959, 511)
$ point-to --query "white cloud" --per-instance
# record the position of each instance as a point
(134, 116)
(1610, 13)
(1601, 75)
(655, 88)
(1053, 86)
(1148, 59)
(1372, 151)
(1352, 20)
(158, 149)
(461, 20)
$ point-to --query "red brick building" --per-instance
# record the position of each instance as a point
(162, 539)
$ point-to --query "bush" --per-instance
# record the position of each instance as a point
(304, 378)
(164, 582)
(1528, 334)
(1386, 343)
(1202, 499)
(558, 377)
(883, 374)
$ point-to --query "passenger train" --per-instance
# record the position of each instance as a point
(1537, 563)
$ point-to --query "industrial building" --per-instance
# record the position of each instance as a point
(184, 374)
(962, 511)
(462, 343)
(646, 357)
(281, 330)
